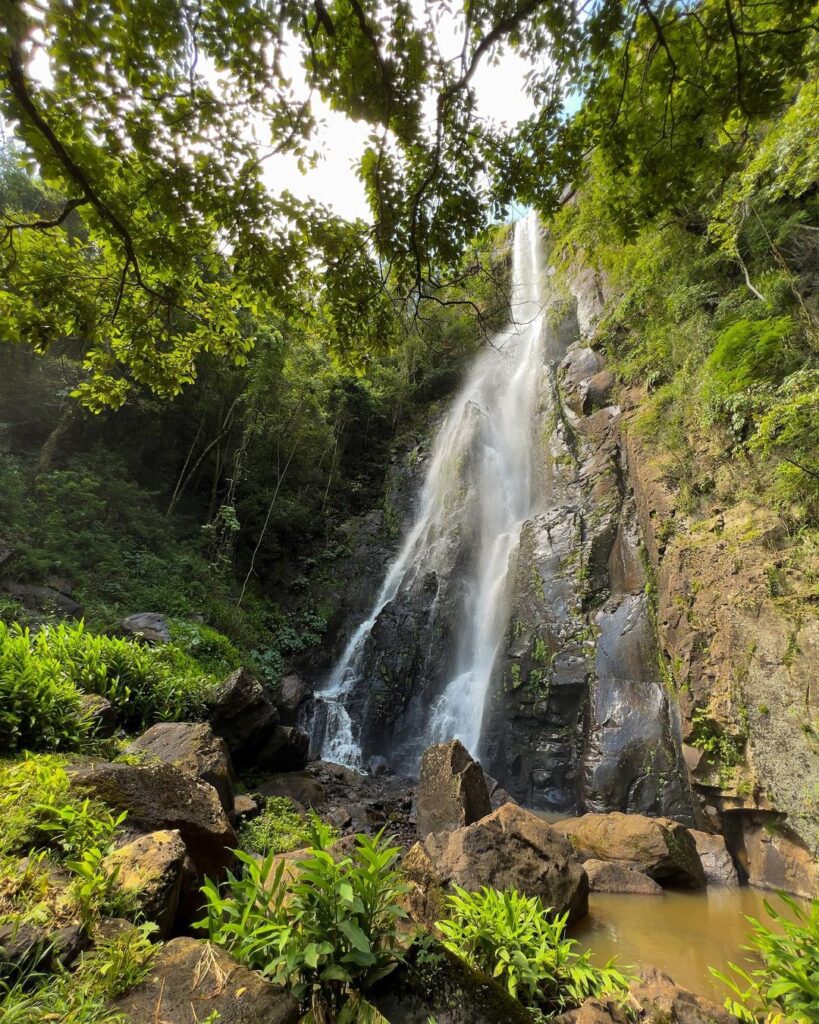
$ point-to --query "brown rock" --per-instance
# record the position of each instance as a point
(665, 1002)
(777, 859)
(193, 748)
(298, 786)
(293, 693)
(149, 871)
(161, 796)
(717, 864)
(510, 847)
(100, 713)
(191, 981)
(660, 847)
(452, 789)
(606, 876)
(246, 807)
(243, 714)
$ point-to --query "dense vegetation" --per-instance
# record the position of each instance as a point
(203, 379)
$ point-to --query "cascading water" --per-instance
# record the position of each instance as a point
(477, 493)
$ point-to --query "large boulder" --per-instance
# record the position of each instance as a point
(434, 984)
(243, 714)
(286, 750)
(195, 749)
(609, 876)
(452, 789)
(161, 796)
(717, 862)
(27, 948)
(510, 847)
(293, 694)
(44, 599)
(149, 872)
(192, 982)
(150, 627)
(661, 848)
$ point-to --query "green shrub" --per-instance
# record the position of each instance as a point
(40, 706)
(752, 352)
(42, 677)
(786, 987)
(112, 968)
(207, 646)
(330, 931)
(517, 940)
(278, 829)
(45, 819)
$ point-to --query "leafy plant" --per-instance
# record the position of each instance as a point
(327, 931)
(786, 987)
(517, 940)
(277, 829)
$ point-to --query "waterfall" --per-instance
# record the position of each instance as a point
(478, 491)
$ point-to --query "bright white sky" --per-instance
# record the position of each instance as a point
(501, 98)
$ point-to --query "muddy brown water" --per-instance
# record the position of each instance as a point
(682, 933)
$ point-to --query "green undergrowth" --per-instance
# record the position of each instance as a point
(712, 327)
(58, 833)
(278, 829)
(110, 969)
(44, 675)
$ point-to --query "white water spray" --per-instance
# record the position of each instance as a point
(479, 484)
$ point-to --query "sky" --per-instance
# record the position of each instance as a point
(500, 95)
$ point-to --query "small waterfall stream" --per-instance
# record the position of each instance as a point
(477, 493)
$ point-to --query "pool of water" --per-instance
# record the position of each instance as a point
(682, 933)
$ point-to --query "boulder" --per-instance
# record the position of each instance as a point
(498, 796)
(44, 599)
(32, 947)
(717, 862)
(434, 984)
(149, 871)
(655, 999)
(293, 693)
(243, 714)
(162, 796)
(452, 789)
(247, 807)
(665, 1002)
(300, 787)
(510, 847)
(285, 751)
(608, 876)
(150, 627)
(101, 715)
(193, 981)
(192, 747)
(776, 858)
(661, 848)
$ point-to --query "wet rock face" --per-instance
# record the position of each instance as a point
(579, 716)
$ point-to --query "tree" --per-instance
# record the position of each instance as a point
(146, 123)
